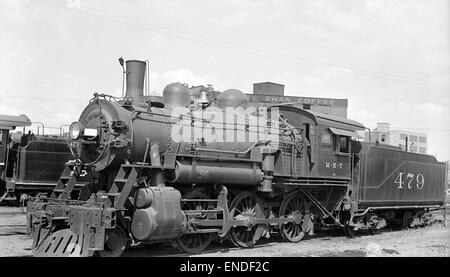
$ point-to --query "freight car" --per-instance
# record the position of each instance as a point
(30, 164)
(189, 169)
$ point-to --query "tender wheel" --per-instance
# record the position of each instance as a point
(246, 206)
(115, 242)
(292, 207)
(194, 243)
(407, 220)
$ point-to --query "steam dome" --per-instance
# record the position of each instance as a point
(232, 98)
(176, 95)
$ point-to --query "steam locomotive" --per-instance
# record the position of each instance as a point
(201, 165)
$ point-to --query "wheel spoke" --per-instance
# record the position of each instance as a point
(250, 208)
(194, 243)
(292, 206)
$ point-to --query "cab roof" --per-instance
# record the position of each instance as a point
(326, 119)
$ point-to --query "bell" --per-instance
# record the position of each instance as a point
(204, 98)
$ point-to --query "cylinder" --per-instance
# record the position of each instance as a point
(143, 224)
(163, 219)
(135, 80)
(207, 172)
(143, 198)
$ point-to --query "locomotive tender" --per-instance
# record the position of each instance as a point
(29, 164)
(167, 172)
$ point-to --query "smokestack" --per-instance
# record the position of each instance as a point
(135, 80)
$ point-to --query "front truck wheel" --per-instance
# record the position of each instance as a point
(115, 242)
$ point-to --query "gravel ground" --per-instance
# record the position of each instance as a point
(13, 238)
(432, 241)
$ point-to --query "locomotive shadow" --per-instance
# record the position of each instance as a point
(223, 247)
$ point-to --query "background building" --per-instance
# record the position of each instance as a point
(448, 181)
(270, 93)
(406, 140)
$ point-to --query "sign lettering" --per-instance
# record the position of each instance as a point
(411, 180)
(333, 165)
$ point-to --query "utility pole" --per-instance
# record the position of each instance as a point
(406, 143)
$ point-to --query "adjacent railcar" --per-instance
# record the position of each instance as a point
(32, 164)
(8, 123)
(168, 171)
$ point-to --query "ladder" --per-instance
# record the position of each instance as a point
(66, 183)
(121, 187)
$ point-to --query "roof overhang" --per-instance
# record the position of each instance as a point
(342, 132)
(325, 119)
(10, 122)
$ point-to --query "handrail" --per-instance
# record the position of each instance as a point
(43, 127)
(232, 152)
(61, 130)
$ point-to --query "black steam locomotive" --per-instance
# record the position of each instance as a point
(201, 165)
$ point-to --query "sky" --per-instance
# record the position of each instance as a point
(390, 59)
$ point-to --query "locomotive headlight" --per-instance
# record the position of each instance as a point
(75, 130)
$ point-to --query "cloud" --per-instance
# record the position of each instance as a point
(436, 111)
(58, 53)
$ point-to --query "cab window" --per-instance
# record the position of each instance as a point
(326, 141)
(343, 144)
